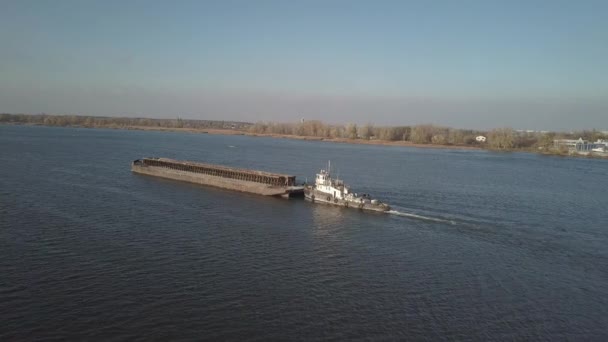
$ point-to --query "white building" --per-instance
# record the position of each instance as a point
(580, 145)
(480, 138)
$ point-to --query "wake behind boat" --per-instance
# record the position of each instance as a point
(333, 191)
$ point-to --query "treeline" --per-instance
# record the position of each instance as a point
(116, 122)
(499, 138)
(421, 134)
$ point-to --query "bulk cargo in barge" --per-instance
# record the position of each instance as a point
(257, 182)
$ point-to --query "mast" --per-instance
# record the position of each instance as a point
(329, 167)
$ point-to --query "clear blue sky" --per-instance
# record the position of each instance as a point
(479, 64)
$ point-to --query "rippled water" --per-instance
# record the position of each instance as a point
(481, 246)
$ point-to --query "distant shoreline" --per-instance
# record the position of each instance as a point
(308, 138)
(270, 135)
(421, 136)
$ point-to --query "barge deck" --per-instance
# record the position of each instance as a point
(252, 181)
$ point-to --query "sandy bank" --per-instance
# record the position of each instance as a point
(297, 137)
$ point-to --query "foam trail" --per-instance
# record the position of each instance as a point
(420, 217)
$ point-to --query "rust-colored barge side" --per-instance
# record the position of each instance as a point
(259, 182)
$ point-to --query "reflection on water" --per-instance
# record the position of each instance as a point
(328, 220)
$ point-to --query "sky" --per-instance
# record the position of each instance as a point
(469, 64)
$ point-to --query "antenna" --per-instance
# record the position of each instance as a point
(329, 167)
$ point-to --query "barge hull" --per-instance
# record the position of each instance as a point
(218, 181)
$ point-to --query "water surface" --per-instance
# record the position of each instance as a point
(484, 246)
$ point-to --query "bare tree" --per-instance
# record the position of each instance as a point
(351, 131)
(501, 138)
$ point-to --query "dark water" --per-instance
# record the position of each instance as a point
(486, 246)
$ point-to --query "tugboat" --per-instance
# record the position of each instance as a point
(334, 191)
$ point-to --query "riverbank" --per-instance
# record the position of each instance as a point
(281, 136)
(552, 153)
(329, 140)
(420, 136)
(298, 137)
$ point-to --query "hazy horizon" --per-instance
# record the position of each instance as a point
(475, 64)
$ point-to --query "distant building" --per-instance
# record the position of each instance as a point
(579, 145)
(480, 138)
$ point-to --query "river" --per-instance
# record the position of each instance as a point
(480, 246)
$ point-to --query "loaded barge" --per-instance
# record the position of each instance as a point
(257, 182)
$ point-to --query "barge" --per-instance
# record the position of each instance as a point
(334, 192)
(252, 181)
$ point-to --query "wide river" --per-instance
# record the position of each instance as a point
(481, 245)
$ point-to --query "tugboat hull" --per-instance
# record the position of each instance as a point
(316, 196)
